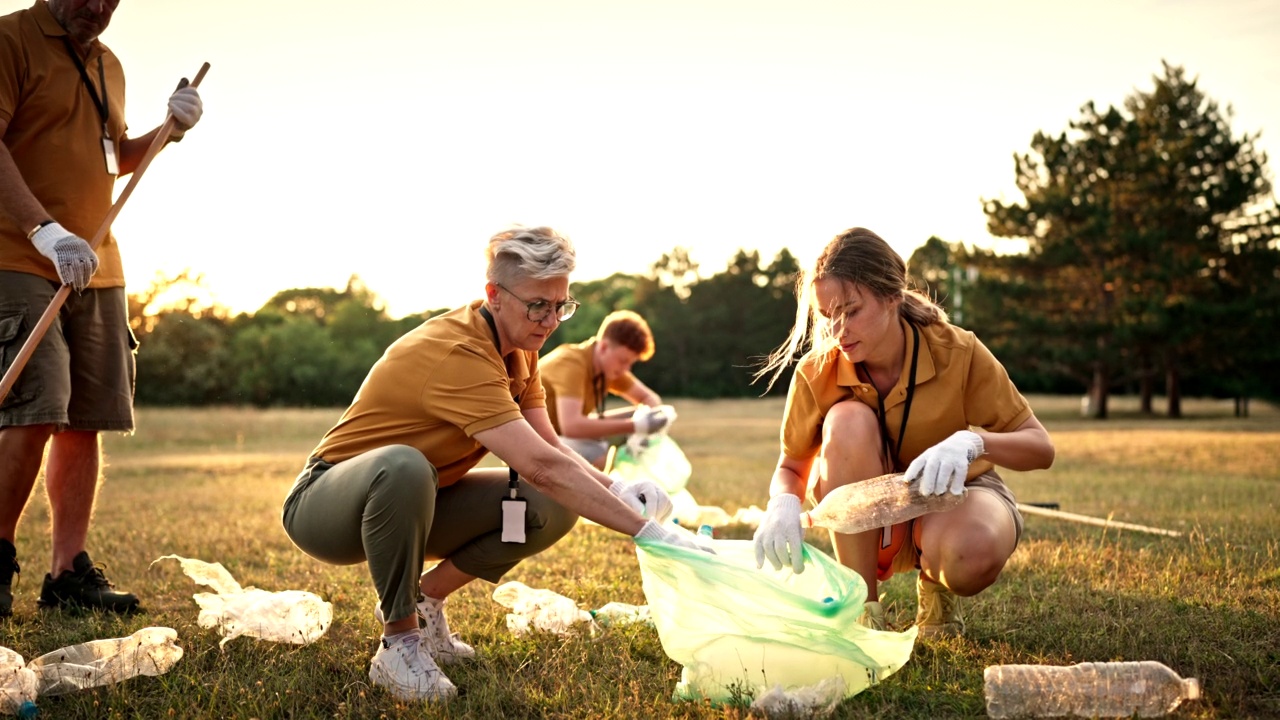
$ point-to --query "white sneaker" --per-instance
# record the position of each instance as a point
(443, 645)
(407, 671)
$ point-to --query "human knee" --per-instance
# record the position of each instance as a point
(965, 572)
(407, 471)
(551, 522)
(850, 420)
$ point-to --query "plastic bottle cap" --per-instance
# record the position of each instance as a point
(1191, 688)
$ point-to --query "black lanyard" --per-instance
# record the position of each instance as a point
(104, 110)
(906, 408)
(514, 482)
(599, 387)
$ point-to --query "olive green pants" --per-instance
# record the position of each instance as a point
(384, 507)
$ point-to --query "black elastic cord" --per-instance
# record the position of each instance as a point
(599, 387)
(104, 110)
(514, 482)
(906, 409)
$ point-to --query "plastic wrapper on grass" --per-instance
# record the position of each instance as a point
(739, 631)
(150, 651)
(289, 616)
(18, 683)
(539, 609)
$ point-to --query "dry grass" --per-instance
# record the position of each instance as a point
(208, 484)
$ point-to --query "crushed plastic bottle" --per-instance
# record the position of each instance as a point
(535, 608)
(1105, 689)
(876, 503)
(617, 613)
(149, 651)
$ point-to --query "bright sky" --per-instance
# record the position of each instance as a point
(391, 138)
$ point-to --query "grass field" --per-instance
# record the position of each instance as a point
(208, 484)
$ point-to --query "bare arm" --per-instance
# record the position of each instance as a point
(540, 421)
(562, 477)
(791, 476)
(1027, 447)
(641, 394)
(574, 424)
(133, 149)
(16, 200)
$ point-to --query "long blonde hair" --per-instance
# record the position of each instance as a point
(857, 257)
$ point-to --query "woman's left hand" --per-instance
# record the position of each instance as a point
(946, 465)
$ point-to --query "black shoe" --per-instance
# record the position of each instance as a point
(85, 586)
(8, 568)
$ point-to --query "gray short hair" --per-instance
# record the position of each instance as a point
(521, 252)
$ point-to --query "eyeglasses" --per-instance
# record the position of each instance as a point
(538, 310)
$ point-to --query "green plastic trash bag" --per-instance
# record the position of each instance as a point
(739, 631)
(656, 458)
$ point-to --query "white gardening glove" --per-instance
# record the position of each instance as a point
(654, 531)
(71, 255)
(946, 464)
(650, 420)
(645, 497)
(780, 537)
(186, 109)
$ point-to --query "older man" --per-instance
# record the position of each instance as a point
(64, 143)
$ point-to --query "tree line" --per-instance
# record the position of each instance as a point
(1151, 260)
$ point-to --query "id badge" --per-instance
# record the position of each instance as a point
(513, 510)
(109, 150)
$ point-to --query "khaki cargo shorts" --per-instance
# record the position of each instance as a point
(89, 388)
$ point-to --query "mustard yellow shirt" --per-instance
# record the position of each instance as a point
(54, 134)
(568, 372)
(959, 384)
(434, 389)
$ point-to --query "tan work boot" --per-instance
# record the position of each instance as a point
(873, 616)
(938, 614)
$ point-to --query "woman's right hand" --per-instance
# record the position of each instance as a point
(780, 537)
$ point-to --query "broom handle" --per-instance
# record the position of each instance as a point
(1103, 522)
(60, 297)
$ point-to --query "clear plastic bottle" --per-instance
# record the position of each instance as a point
(1106, 689)
(876, 503)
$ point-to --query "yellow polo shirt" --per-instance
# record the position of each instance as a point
(54, 134)
(434, 389)
(568, 372)
(959, 384)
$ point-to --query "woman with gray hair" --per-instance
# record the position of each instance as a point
(395, 482)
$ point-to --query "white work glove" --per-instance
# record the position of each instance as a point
(946, 464)
(645, 497)
(780, 537)
(71, 255)
(654, 531)
(186, 109)
(650, 420)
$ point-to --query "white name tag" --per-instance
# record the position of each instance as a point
(109, 150)
(513, 510)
